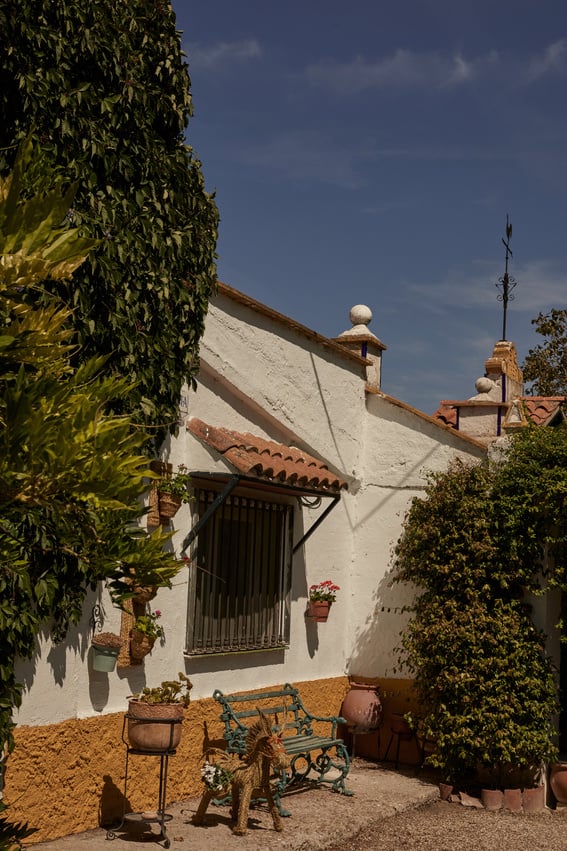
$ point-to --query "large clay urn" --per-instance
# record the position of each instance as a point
(558, 782)
(362, 707)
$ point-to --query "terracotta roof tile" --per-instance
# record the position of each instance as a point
(543, 409)
(255, 456)
(447, 414)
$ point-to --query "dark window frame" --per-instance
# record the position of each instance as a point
(240, 574)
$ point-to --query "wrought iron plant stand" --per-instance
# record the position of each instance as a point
(160, 816)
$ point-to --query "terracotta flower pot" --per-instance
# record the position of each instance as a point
(154, 726)
(513, 800)
(533, 800)
(492, 798)
(318, 610)
(558, 782)
(400, 727)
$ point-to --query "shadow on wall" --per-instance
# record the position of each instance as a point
(373, 652)
(112, 803)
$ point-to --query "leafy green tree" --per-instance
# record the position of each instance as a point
(104, 88)
(546, 364)
(71, 474)
(473, 547)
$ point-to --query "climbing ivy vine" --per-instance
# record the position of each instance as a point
(71, 472)
(104, 88)
(474, 546)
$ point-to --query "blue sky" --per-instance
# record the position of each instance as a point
(370, 152)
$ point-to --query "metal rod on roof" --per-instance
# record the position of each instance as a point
(506, 283)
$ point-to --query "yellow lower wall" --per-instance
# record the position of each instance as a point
(69, 777)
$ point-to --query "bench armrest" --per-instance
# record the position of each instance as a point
(334, 720)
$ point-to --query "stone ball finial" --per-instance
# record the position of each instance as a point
(483, 384)
(360, 315)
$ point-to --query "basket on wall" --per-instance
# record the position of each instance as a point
(140, 645)
(168, 505)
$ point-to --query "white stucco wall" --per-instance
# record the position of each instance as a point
(269, 378)
(400, 447)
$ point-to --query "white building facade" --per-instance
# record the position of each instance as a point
(312, 468)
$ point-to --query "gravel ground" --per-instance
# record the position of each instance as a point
(389, 811)
(451, 827)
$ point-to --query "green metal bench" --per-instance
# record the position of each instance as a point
(314, 758)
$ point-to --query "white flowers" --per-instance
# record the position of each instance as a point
(214, 777)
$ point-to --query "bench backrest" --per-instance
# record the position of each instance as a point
(283, 705)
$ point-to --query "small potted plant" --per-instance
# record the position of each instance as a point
(155, 715)
(173, 490)
(144, 633)
(321, 597)
(106, 647)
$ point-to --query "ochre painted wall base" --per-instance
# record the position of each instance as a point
(69, 777)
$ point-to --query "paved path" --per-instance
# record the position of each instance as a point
(319, 818)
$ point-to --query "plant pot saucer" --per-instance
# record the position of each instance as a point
(148, 816)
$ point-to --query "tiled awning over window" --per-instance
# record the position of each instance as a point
(269, 461)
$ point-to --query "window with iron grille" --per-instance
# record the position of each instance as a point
(240, 580)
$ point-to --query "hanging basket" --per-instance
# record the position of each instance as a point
(140, 645)
(144, 594)
(104, 658)
(168, 505)
(318, 610)
(154, 726)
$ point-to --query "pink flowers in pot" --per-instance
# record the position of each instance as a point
(148, 625)
(324, 591)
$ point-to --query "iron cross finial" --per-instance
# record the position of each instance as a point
(506, 283)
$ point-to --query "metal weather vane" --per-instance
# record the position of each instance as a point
(506, 283)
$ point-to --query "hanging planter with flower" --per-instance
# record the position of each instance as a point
(321, 598)
(143, 635)
(173, 491)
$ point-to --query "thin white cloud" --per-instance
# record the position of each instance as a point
(436, 71)
(223, 53)
(552, 60)
(403, 69)
(540, 286)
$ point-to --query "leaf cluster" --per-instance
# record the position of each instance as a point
(71, 471)
(148, 625)
(474, 546)
(170, 691)
(105, 89)
(546, 364)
